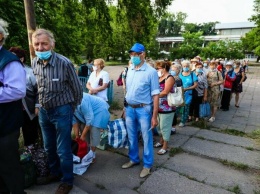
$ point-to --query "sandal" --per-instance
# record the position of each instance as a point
(162, 152)
(157, 145)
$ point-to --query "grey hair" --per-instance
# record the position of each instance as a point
(185, 62)
(41, 31)
(3, 32)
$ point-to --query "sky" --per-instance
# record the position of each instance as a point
(224, 11)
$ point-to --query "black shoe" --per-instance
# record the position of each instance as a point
(64, 188)
(225, 109)
(221, 107)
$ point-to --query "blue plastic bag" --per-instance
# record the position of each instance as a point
(204, 110)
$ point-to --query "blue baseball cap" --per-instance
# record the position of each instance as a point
(137, 47)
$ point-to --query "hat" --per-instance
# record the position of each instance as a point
(137, 47)
(194, 60)
(229, 63)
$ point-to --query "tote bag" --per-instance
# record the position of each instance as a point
(204, 110)
(175, 98)
(117, 134)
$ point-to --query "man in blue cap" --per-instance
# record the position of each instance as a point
(142, 97)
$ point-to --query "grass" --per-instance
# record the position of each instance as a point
(202, 124)
(236, 165)
(115, 63)
(115, 106)
(234, 132)
(250, 148)
(102, 187)
(235, 189)
(174, 151)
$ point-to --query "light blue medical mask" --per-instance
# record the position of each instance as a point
(185, 69)
(136, 60)
(43, 55)
(173, 73)
(205, 65)
(199, 70)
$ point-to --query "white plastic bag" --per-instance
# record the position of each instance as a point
(82, 167)
(176, 98)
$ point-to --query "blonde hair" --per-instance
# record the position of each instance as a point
(41, 31)
(100, 62)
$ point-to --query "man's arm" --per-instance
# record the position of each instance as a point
(155, 110)
(75, 85)
(14, 82)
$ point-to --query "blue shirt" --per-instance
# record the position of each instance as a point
(188, 81)
(141, 85)
(92, 111)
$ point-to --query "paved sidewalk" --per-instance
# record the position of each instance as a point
(207, 160)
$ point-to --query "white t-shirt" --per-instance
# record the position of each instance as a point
(94, 80)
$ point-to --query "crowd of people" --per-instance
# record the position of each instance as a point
(47, 101)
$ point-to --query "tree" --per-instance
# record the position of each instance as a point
(251, 42)
(205, 28)
(171, 24)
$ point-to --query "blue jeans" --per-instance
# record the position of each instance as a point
(56, 125)
(140, 118)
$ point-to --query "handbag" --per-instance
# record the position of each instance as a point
(175, 98)
(204, 110)
(117, 134)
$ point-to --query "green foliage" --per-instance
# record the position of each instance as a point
(223, 49)
(205, 28)
(87, 28)
(236, 165)
(174, 151)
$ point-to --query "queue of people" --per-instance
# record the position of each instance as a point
(50, 97)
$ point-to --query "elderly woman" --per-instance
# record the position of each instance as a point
(98, 80)
(237, 84)
(30, 127)
(215, 79)
(89, 118)
(199, 93)
(189, 82)
(175, 70)
(166, 112)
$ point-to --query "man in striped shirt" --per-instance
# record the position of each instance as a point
(59, 93)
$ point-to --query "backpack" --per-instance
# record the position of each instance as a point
(83, 70)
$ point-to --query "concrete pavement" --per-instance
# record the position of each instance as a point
(207, 160)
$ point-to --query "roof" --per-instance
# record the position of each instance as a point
(220, 26)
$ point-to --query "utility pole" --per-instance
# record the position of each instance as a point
(31, 23)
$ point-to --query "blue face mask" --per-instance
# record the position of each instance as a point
(173, 73)
(205, 65)
(43, 55)
(185, 69)
(199, 70)
(136, 60)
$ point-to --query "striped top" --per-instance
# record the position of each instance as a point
(202, 84)
(57, 81)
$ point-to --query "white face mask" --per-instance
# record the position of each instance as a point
(94, 68)
(159, 73)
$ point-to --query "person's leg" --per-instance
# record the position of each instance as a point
(236, 99)
(225, 99)
(11, 173)
(165, 124)
(29, 129)
(49, 141)
(132, 132)
(185, 113)
(144, 116)
(197, 103)
(94, 138)
(62, 119)
(160, 130)
(192, 108)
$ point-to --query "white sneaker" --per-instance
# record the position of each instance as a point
(181, 125)
(212, 119)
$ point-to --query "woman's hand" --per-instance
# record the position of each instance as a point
(213, 84)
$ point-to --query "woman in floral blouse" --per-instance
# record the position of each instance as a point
(166, 112)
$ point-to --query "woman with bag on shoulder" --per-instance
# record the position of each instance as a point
(200, 93)
(190, 82)
(166, 112)
(237, 87)
(215, 80)
(89, 118)
(98, 81)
